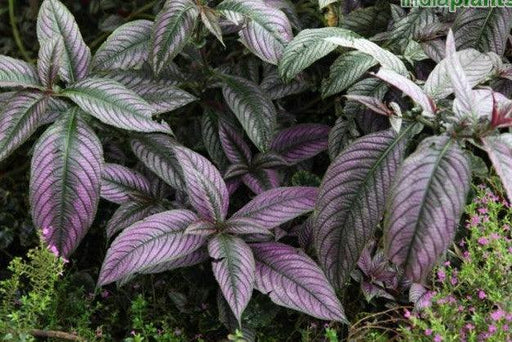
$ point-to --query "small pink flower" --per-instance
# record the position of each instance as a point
(505, 327)
(483, 210)
(407, 314)
(132, 332)
(483, 241)
(492, 328)
(497, 315)
(441, 275)
(508, 317)
(495, 236)
(46, 231)
(105, 294)
(447, 263)
(474, 220)
(481, 294)
(428, 332)
(454, 281)
(438, 338)
(470, 326)
(466, 255)
(54, 250)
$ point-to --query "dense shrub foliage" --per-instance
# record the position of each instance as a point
(211, 127)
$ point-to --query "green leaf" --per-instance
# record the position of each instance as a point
(345, 71)
(114, 104)
(252, 107)
(306, 48)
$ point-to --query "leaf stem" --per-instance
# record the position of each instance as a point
(16, 33)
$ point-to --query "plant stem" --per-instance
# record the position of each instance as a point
(16, 33)
(55, 334)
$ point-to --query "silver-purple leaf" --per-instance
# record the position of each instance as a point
(130, 212)
(245, 225)
(17, 73)
(127, 47)
(499, 149)
(211, 138)
(163, 98)
(352, 200)
(301, 142)
(114, 104)
(477, 67)
(48, 63)
(261, 180)
(236, 149)
(65, 181)
(173, 27)
(55, 21)
(191, 259)
(120, 184)
(485, 29)
(19, 119)
(205, 187)
(156, 239)
(265, 31)
(371, 103)
(275, 88)
(409, 88)
(425, 205)
(252, 107)
(233, 266)
(201, 227)
(293, 280)
(156, 152)
(277, 206)
(235, 170)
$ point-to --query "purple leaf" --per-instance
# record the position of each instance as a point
(265, 30)
(420, 296)
(156, 239)
(120, 184)
(129, 213)
(245, 225)
(173, 27)
(133, 79)
(201, 228)
(114, 104)
(499, 149)
(205, 187)
(352, 200)
(19, 119)
(156, 152)
(301, 142)
(277, 206)
(372, 103)
(17, 73)
(261, 180)
(293, 280)
(127, 47)
(55, 21)
(426, 202)
(48, 64)
(233, 184)
(233, 144)
(65, 181)
(252, 107)
(409, 88)
(233, 267)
